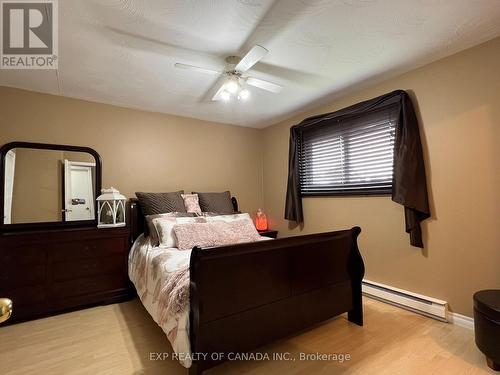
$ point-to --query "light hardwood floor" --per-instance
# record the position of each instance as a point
(118, 339)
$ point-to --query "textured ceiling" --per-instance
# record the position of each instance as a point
(123, 51)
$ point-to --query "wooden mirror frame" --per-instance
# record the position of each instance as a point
(55, 224)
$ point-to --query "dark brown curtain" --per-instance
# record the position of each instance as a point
(409, 185)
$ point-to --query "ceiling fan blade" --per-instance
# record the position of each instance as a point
(217, 97)
(197, 68)
(264, 85)
(251, 58)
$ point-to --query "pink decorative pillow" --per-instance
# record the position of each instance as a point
(217, 233)
(245, 230)
(191, 202)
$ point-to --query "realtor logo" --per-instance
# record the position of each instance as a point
(29, 34)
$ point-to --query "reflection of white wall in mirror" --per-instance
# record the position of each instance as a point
(10, 165)
(78, 190)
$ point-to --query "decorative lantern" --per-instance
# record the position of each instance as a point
(111, 209)
(261, 220)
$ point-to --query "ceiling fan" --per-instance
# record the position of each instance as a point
(233, 84)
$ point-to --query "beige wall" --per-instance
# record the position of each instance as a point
(142, 151)
(459, 103)
(458, 99)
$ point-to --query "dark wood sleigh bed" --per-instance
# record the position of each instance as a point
(247, 295)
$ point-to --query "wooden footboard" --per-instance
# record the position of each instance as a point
(245, 296)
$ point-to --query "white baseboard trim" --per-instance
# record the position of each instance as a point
(461, 320)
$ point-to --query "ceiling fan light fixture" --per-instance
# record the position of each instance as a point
(244, 94)
(225, 95)
(232, 86)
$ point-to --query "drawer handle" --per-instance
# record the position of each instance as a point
(5, 309)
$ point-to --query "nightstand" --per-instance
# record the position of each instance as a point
(269, 233)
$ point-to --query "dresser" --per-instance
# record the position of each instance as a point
(54, 271)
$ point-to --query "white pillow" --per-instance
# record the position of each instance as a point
(228, 218)
(164, 227)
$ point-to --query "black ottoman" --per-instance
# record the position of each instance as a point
(487, 325)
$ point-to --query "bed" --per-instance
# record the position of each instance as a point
(244, 296)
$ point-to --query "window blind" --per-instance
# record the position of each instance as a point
(349, 156)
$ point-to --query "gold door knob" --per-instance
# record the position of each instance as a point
(5, 309)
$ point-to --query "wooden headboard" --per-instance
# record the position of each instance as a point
(137, 220)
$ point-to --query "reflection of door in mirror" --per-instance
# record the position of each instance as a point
(10, 165)
(79, 195)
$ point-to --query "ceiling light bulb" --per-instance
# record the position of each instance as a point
(232, 87)
(225, 95)
(244, 94)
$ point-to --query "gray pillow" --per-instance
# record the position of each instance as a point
(216, 202)
(161, 203)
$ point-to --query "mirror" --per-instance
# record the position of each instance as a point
(49, 184)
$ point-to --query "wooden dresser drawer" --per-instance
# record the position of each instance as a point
(71, 251)
(24, 296)
(89, 267)
(32, 274)
(19, 255)
(87, 285)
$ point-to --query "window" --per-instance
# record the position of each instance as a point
(351, 156)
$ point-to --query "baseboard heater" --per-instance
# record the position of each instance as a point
(431, 307)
